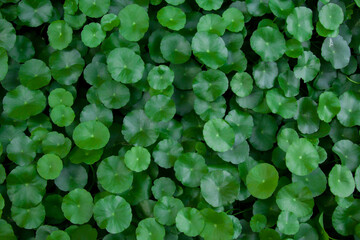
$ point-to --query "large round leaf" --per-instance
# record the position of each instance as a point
(175, 48)
(34, 13)
(21, 150)
(218, 135)
(22, 103)
(269, 43)
(91, 135)
(210, 49)
(190, 221)
(112, 213)
(329, 106)
(134, 22)
(28, 218)
(299, 23)
(49, 166)
(218, 225)
(92, 35)
(66, 66)
(94, 8)
(341, 181)
(344, 220)
(138, 129)
(336, 51)
(137, 159)
(349, 114)
(7, 35)
(331, 16)
(308, 66)
(219, 188)
(113, 95)
(34, 74)
(150, 229)
(25, 187)
(171, 17)
(166, 209)
(302, 157)
(295, 198)
(190, 168)
(60, 34)
(211, 84)
(78, 206)
(113, 175)
(262, 180)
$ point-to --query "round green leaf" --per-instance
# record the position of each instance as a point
(58, 235)
(92, 35)
(210, 49)
(190, 221)
(113, 175)
(49, 166)
(171, 17)
(91, 135)
(60, 34)
(6, 231)
(212, 23)
(242, 84)
(125, 65)
(281, 8)
(190, 168)
(160, 108)
(295, 198)
(166, 152)
(163, 187)
(94, 8)
(149, 229)
(34, 74)
(344, 220)
(265, 74)
(160, 77)
(336, 51)
(302, 157)
(262, 180)
(293, 48)
(109, 22)
(134, 22)
(299, 23)
(349, 114)
(28, 218)
(56, 143)
(218, 225)
(62, 115)
(166, 209)
(7, 35)
(113, 213)
(175, 48)
(286, 137)
(341, 181)
(279, 104)
(113, 95)
(60, 96)
(234, 19)
(329, 106)
(66, 66)
(77, 206)
(258, 222)
(218, 135)
(210, 4)
(71, 177)
(79, 155)
(138, 129)
(331, 16)
(219, 188)
(21, 150)
(34, 13)
(269, 43)
(308, 66)
(348, 153)
(315, 181)
(211, 84)
(25, 187)
(288, 223)
(22, 103)
(137, 159)
(96, 73)
(307, 118)
(97, 112)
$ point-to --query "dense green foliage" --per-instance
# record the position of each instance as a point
(179, 119)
